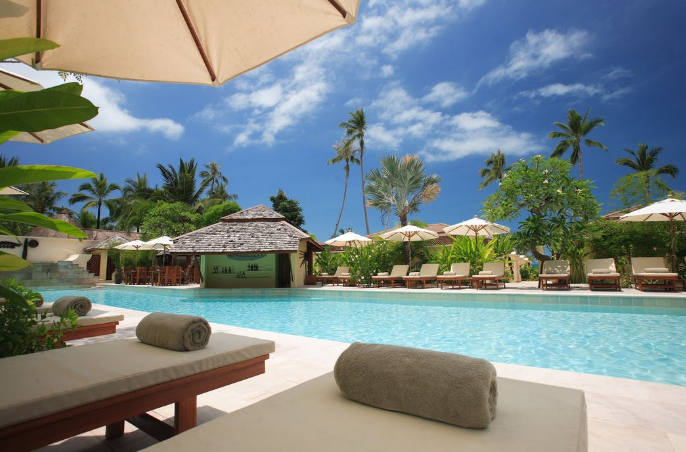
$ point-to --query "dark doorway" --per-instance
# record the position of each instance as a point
(284, 273)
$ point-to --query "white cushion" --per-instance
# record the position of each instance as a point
(449, 273)
(485, 272)
(325, 274)
(414, 274)
(601, 271)
(655, 270)
(382, 274)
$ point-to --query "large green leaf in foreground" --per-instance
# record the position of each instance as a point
(27, 174)
(46, 109)
(10, 48)
(36, 219)
(10, 262)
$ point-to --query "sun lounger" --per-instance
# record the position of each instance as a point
(53, 395)
(492, 275)
(314, 417)
(333, 279)
(651, 273)
(427, 273)
(602, 274)
(396, 275)
(95, 323)
(555, 274)
(458, 274)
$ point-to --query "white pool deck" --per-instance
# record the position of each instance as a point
(623, 415)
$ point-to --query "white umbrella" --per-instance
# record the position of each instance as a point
(200, 42)
(134, 245)
(160, 243)
(669, 209)
(349, 239)
(476, 226)
(11, 191)
(10, 81)
(409, 233)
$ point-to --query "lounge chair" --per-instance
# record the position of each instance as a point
(53, 395)
(458, 274)
(333, 279)
(555, 274)
(95, 323)
(396, 275)
(315, 416)
(651, 273)
(427, 273)
(492, 275)
(602, 274)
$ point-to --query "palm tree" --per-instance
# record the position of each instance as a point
(405, 185)
(95, 193)
(643, 163)
(43, 196)
(8, 161)
(572, 134)
(495, 168)
(355, 128)
(344, 153)
(213, 175)
(180, 185)
(138, 188)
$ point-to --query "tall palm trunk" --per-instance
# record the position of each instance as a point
(364, 197)
(345, 192)
(581, 169)
(99, 207)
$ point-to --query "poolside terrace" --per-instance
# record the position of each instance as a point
(623, 415)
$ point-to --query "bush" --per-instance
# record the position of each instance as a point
(21, 330)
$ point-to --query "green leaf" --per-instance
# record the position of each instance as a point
(7, 135)
(69, 88)
(10, 262)
(42, 110)
(10, 48)
(37, 219)
(10, 205)
(26, 174)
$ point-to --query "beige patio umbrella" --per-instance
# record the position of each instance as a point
(476, 227)
(134, 245)
(162, 243)
(349, 239)
(10, 81)
(11, 191)
(669, 209)
(200, 42)
(409, 233)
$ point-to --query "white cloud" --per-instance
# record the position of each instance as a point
(558, 89)
(112, 115)
(538, 51)
(445, 94)
(407, 123)
(386, 70)
(608, 87)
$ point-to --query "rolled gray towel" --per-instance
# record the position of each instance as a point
(446, 387)
(174, 331)
(82, 305)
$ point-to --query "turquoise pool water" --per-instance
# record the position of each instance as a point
(631, 342)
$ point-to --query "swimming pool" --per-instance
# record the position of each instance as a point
(622, 341)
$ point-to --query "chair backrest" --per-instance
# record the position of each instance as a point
(639, 264)
(429, 269)
(399, 270)
(601, 264)
(341, 270)
(460, 268)
(555, 267)
(498, 268)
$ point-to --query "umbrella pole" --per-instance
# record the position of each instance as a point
(671, 233)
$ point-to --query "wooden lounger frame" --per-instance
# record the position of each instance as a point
(82, 332)
(112, 412)
(642, 282)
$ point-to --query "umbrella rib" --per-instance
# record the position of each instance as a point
(338, 7)
(196, 39)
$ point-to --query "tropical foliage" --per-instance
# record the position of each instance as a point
(289, 208)
(180, 184)
(170, 219)
(355, 128)
(573, 133)
(557, 207)
(635, 188)
(496, 166)
(344, 153)
(94, 194)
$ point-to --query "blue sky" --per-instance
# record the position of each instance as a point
(451, 81)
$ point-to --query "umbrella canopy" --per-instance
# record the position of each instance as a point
(11, 191)
(476, 226)
(409, 233)
(349, 239)
(134, 245)
(669, 209)
(160, 243)
(10, 81)
(200, 42)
